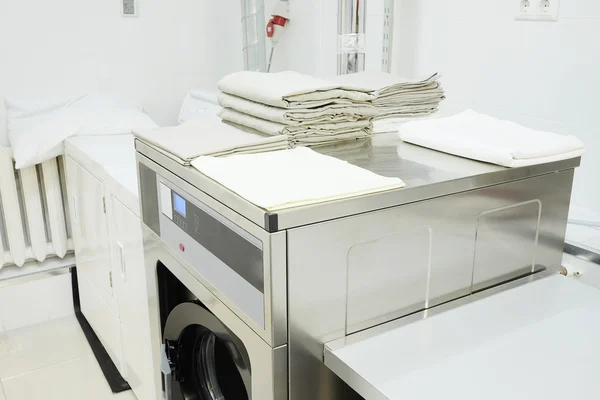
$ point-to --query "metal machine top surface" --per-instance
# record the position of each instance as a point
(529, 342)
(427, 174)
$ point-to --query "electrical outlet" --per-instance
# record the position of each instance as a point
(526, 10)
(548, 10)
(538, 10)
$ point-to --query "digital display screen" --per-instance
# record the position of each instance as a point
(179, 204)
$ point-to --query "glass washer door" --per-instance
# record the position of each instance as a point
(210, 362)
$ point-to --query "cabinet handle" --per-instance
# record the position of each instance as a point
(75, 210)
(122, 257)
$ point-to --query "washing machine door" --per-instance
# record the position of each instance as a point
(206, 360)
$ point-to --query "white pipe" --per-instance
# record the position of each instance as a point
(351, 36)
(254, 36)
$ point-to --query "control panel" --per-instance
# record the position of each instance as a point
(227, 256)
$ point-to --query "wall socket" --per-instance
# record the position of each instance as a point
(538, 10)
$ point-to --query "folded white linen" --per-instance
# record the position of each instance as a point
(38, 126)
(301, 176)
(382, 82)
(312, 141)
(243, 150)
(330, 113)
(484, 138)
(275, 128)
(192, 139)
(408, 112)
(290, 89)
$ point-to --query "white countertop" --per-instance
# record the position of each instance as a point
(539, 341)
(113, 157)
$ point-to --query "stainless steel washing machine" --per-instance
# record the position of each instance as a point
(262, 302)
(218, 331)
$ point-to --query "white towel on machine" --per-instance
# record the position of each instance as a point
(192, 139)
(484, 138)
(292, 178)
(383, 84)
(397, 98)
(304, 135)
(330, 113)
(291, 90)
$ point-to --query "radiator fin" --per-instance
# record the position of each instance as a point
(34, 221)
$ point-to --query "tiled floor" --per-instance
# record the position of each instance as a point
(51, 361)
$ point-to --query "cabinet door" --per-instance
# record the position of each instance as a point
(132, 294)
(130, 280)
(90, 229)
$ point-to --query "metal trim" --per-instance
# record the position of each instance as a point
(377, 330)
(307, 215)
(272, 333)
(581, 253)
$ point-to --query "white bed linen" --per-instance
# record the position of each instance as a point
(209, 138)
(299, 116)
(38, 127)
(290, 89)
(484, 138)
(292, 178)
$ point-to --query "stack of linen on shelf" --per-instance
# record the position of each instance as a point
(398, 100)
(310, 111)
(192, 139)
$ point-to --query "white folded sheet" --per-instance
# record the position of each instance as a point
(275, 128)
(484, 138)
(292, 178)
(299, 116)
(382, 82)
(290, 89)
(192, 139)
(398, 97)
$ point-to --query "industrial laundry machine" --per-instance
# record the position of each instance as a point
(255, 304)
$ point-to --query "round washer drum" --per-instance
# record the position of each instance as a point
(208, 362)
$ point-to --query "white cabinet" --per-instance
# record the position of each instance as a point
(109, 256)
(92, 256)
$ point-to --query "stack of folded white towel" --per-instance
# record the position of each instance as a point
(310, 111)
(481, 137)
(303, 177)
(214, 138)
(398, 100)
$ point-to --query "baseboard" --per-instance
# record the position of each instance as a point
(582, 253)
(33, 299)
(114, 378)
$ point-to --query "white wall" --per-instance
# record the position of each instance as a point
(73, 46)
(309, 44)
(540, 74)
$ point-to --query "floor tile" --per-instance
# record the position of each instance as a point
(41, 345)
(76, 379)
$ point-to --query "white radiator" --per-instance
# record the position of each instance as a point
(33, 221)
